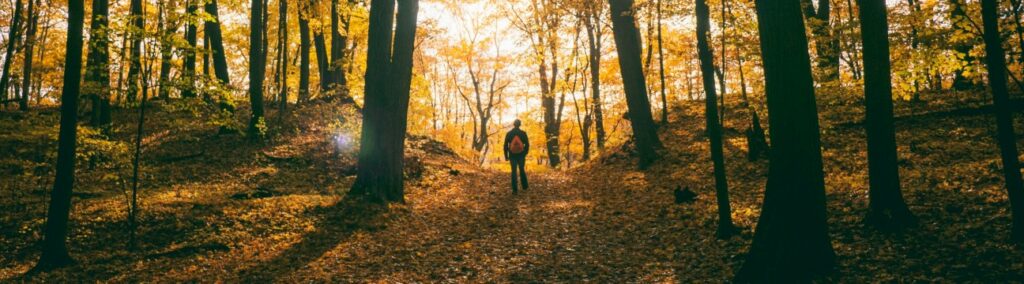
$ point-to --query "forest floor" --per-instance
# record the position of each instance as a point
(217, 208)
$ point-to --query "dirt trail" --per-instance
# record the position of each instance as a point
(470, 227)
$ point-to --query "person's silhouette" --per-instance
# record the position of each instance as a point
(516, 146)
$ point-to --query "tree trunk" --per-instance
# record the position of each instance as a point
(30, 40)
(791, 242)
(97, 69)
(825, 44)
(888, 210)
(212, 29)
(338, 44)
(303, 53)
(257, 69)
(12, 43)
(661, 69)
(627, 41)
(322, 62)
(388, 79)
(283, 73)
(189, 63)
(995, 57)
(552, 125)
(959, 18)
(55, 233)
(714, 129)
(165, 50)
(757, 143)
(593, 25)
(135, 32)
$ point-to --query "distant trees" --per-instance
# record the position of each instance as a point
(385, 111)
(888, 210)
(541, 25)
(55, 251)
(627, 41)
(791, 241)
(714, 129)
(996, 61)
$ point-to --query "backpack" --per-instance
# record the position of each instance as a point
(516, 146)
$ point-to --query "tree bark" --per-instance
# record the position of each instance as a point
(189, 63)
(338, 43)
(825, 44)
(661, 69)
(593, 25)
(165, 50)
(55, 233)
(12, 43)
(888, 210)
(257, 69)
(30, 40)
(995, 57)
(212, 29)
(283, 73)
(791, 242)
(135, 32)
(714, 129)
(388, 79)
(303, 53)
(627, 41)
(97, 73)
(322, 63)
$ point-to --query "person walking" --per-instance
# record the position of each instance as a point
(517, 145)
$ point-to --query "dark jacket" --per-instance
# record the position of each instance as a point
(522, 136)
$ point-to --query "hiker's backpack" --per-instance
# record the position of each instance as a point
(516, 146)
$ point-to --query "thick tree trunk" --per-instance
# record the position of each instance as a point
(627, 41)
(97, 69)
(888, 210)
(55, 233)
(322, 62)
(380, 176)
(714, 129)
(339, 42)
(12, 43)
(791, 242)
(303, 54)
(257, 69)
(995, 57)
(212, 29)
(593, 25)
(189, 63)
(30, 40)
(135, 32)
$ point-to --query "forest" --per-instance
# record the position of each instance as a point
(355, 141)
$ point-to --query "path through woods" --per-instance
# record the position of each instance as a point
(217, 208)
